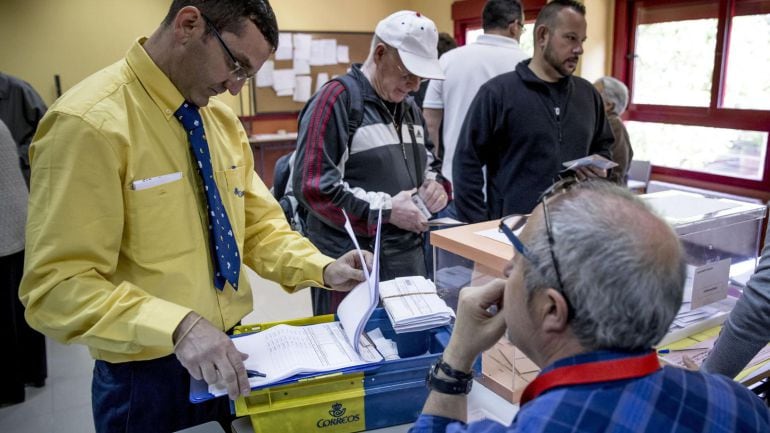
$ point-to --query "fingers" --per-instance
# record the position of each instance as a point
(689, 363)
(240, 377)
(210, 374)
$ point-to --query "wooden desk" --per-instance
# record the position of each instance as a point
(267, 148)
(490, 256)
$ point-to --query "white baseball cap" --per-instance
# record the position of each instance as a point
(415, 37)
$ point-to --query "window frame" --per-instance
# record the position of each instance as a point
(715, 115)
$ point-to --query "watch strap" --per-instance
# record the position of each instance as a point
(451, 372)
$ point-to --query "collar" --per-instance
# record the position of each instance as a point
(496, 40)
(592, 367)
(160, 88)
(529, 77)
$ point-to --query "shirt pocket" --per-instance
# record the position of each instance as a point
(160, 222)
(232, 187)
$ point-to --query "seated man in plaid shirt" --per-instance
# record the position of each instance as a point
(595, 282)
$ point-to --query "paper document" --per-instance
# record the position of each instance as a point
(680, 206)
(284, 351)
(357, 306)
(412, 304)
(302, 46)
(285, 48)
(343, 54)
(265, 74)
(597, 161)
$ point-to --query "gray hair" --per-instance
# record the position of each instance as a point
(616, 92)
(622, 267)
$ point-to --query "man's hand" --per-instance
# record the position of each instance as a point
(476, 328)
(208, 354)
(347, 272)
(587, 171)
(404, 214)
(433, 194)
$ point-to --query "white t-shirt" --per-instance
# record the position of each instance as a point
(467, 68)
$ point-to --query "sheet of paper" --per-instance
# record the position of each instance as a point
(283, 79)
(265, 74)
(597, 161)
(320, 80)
(329, 47)
(343, 54)
(302, 46)
(284, 351)
(710, 283)
(357, 306)
(302, 87)
(497, 235)
(413, 304)
(301, 67)
(680, 206)
(285, 48)
(316, 52)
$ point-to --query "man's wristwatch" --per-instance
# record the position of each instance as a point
(460, 382)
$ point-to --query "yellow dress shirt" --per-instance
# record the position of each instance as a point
(118, 268)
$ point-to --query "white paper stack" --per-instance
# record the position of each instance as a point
(412, 304)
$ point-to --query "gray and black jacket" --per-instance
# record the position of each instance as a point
(335, 170)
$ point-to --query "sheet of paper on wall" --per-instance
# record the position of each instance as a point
(283, 79)
(302, 46)
(357, 306)
(285, 49)
(302, 87)
(301, 67)
(316, 52)
(265, 74)
(343, 54)
(320, 80)
(329, 47)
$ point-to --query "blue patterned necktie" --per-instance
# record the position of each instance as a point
(226, 259)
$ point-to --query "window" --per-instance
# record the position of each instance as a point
(700, 90)
(526, 42)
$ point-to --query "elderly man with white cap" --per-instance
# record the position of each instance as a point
(362, 147)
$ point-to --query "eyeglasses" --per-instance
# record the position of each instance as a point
(519, 23)
(509, 226)
(406, 75)
(558, 187)
(238, 72)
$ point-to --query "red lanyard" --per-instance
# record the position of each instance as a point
(592, 372)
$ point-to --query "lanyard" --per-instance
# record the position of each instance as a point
(592, 372)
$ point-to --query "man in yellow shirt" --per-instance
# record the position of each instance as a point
(126, 226)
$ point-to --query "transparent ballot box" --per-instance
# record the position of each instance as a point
(720, 239)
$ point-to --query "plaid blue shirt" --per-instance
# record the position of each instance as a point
(671, 400)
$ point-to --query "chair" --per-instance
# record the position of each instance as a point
(639, 175)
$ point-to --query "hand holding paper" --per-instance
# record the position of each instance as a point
(348, 271)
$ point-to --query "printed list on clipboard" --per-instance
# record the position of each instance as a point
(286, 352)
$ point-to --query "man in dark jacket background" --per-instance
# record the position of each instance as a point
(524, 124)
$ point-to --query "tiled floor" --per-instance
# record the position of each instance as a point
(64, 404)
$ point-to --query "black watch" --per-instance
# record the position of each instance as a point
(461, 383)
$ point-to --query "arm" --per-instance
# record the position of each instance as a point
(435, 189)
(432, 123)
(747, 329)
(475, 331)
(474, 144)
(322, 151)
(433, 110)
(34, 109)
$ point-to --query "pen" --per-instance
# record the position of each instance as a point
(255, 373)
(663, 351)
